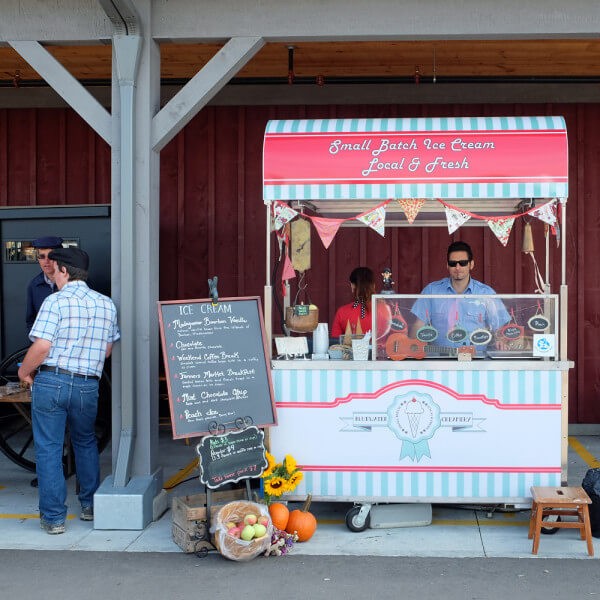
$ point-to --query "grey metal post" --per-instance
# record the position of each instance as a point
(125, 500)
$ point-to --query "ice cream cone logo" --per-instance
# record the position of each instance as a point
(414, 418)
(414, 411)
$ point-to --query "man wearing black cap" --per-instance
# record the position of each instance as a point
(42, 285)
(72, 336)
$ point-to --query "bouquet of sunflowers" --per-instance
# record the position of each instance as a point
(279, 478)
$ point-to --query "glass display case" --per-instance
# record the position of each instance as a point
(489, 327)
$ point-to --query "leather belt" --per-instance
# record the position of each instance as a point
(60, 371)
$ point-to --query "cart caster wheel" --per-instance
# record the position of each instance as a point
(352, 521)
(550, 519)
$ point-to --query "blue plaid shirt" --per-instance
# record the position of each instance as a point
(80, 323)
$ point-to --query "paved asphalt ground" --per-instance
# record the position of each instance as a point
(51, 575)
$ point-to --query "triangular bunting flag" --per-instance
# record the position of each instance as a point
(501, 228)
(375, 219)
(327, 228)
(288, 271)
(455, 218)
(411, 208)
(282, 214)
(546, 212)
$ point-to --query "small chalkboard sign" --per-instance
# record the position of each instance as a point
(512, 331)
(479, 337)
(457, 334)
(427, 333)
(538, 323)
(217, 364)
(301, 310)
(231, 457)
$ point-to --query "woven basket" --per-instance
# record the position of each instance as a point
(301, 323)
(236, 548)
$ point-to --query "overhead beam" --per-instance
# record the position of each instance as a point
(195, 94)
(333, 20)
(63, 83)
(309, 20)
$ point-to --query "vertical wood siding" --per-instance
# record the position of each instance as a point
(213, 217)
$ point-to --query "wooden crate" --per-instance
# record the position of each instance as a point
(189, 518)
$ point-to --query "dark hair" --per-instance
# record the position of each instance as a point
(364, 280)
(75, 273)
(460, 247)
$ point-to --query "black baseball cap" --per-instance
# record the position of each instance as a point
(74, 257)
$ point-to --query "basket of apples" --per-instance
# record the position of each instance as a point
(243, 530)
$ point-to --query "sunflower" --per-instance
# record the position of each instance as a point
(275, 486)
(294, 480)
(290, 463)
(270, 465)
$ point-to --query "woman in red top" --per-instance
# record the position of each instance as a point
(362, 282)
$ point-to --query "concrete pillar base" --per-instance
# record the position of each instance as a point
(129, 507)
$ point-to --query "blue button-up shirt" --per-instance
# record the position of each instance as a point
(39, 288)
(472, 313)
(80, 323)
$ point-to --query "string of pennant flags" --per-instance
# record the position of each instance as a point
(374, 218)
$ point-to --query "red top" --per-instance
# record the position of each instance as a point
(347, 313)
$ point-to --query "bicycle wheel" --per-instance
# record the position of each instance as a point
(16, 433)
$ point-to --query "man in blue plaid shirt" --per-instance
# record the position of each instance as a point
(72, 336)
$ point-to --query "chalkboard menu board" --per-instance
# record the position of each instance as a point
(217, 365)
(231, 457)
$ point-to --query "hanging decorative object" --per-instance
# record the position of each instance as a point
(538, 322)
(455, 218)
(282, 214)
(375, 219)
(501, 228)
(398, 324)
(457, 334)
(327, 228)
(288, 271)
(546, 212)
(411, 207)
(480, 336)
(428, 333)
(512, 331)
(527, 246)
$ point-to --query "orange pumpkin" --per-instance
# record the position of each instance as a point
(302, 522)
(279, 515)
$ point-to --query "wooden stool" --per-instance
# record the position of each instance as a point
(563, 501)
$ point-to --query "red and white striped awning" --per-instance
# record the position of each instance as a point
(448, 158)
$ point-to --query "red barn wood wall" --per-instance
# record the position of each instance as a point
(213, 218)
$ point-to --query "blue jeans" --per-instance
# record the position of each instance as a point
(59, 400)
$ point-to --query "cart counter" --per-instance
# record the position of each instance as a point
(432, 431)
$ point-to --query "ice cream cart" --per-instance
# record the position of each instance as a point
(427, 428)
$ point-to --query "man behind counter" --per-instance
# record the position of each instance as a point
(472, 314)
(42, 285)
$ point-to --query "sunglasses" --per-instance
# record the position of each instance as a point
(42, 256)
(462, 263)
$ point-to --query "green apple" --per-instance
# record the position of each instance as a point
(259, 530)
(248, 532)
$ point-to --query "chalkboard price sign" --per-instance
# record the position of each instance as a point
(427, 333)
(457, 334)
(538, 323)
(512, 331)
(217, 365)
(231, 457)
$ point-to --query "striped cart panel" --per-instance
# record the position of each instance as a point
(523, 395)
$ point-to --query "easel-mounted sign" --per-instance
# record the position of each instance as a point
(217, 364)
(231, 457)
